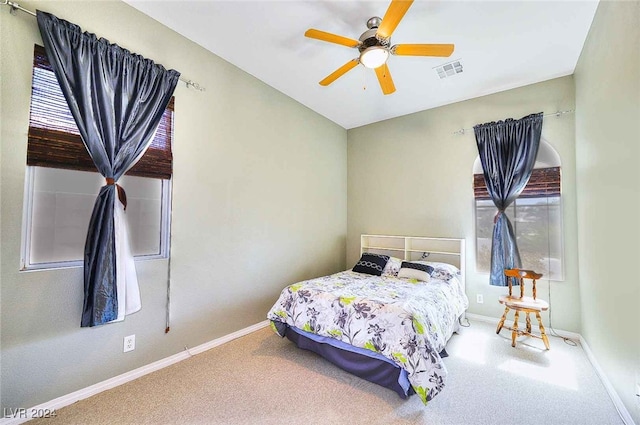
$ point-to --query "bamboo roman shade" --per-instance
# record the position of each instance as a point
(54, 140)
(544, 182)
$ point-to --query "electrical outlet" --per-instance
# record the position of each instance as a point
(479, 298)
(129, 343)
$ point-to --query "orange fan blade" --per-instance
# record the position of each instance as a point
(392, 17)
(340, 72)
(331, 38)
(444, 50)
(384, 77)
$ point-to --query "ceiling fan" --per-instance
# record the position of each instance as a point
(374, 46)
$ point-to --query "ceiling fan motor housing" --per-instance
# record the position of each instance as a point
(369, 39)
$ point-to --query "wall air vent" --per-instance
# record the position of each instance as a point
(449, 69)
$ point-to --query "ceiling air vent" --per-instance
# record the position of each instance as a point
(449, 69)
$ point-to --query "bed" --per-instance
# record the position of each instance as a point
(389, 318)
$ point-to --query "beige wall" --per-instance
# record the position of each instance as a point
(608, 180)
(412, 176)
(259, 202)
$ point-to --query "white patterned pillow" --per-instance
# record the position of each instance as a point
(415, 271)
(393, 267)
(442, 271)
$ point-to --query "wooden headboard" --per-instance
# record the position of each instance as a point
(412, 248)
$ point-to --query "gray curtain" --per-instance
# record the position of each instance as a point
(508, 151)
(117, 99)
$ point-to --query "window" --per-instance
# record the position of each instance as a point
(62, 183)
(536, 217)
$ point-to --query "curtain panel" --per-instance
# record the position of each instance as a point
(508, 151)
(54, 139)
(117, 100)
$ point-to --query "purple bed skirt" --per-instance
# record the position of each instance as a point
(378, 371)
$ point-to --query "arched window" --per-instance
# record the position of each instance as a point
(536, 216)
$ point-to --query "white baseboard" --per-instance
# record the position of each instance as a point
(534, 327)
(615, 398)
(24, 415)
(622, 410)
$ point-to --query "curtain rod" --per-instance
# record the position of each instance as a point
(15, 6)
(554, 114)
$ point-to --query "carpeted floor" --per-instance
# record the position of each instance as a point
(263, 379)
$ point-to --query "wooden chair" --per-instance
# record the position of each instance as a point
(524, 304)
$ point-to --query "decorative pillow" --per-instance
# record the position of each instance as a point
(393, 267)
(442, 271)
(415, 271)
(371, 264)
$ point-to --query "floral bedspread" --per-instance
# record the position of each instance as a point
(407, 321)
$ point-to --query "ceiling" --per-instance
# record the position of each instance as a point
(501, 44)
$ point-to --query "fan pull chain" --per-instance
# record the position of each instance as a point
(364, 78)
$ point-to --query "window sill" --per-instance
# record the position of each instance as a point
(78, 264)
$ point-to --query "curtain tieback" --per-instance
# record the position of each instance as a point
(495, 217)
(122, 195)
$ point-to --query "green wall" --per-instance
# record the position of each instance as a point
(608, 181)
(259, 190)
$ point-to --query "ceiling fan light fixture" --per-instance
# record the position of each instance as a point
(374, 56)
